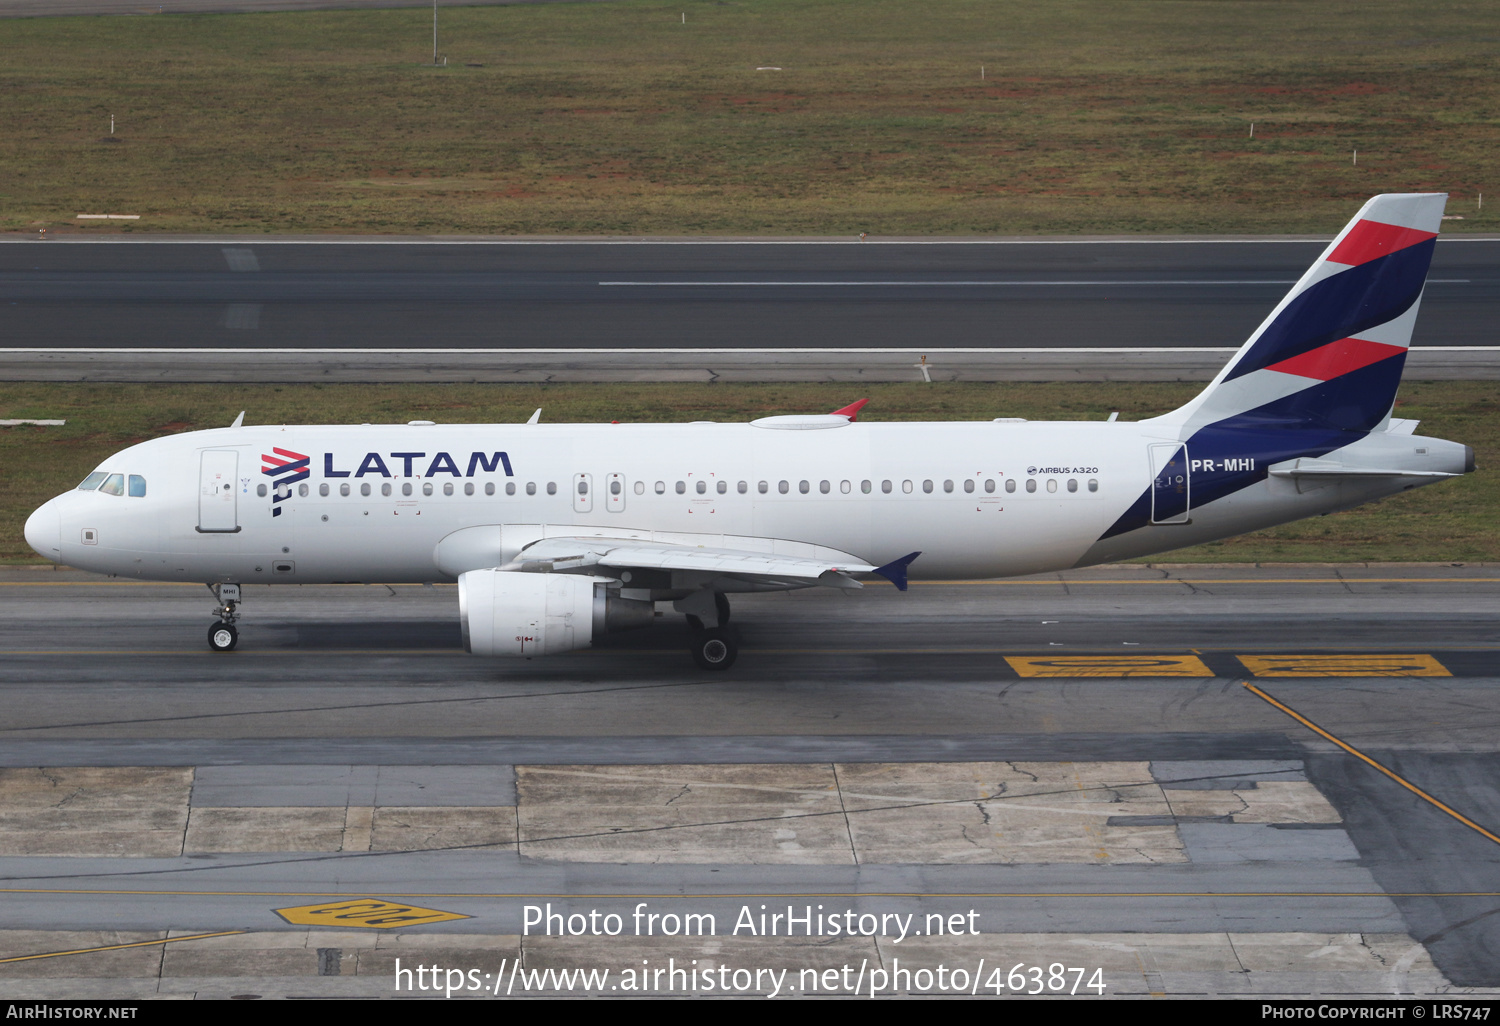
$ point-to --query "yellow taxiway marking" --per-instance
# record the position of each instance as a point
(117, 947)
(1344, 666)
(1413, 788)
(1109, 666)
(369, 913)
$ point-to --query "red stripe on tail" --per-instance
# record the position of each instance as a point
(1369, 240)
(1336, 358)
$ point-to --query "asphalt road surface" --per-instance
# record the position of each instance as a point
(578, 295)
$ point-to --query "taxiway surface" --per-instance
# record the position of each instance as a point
(1014, 748)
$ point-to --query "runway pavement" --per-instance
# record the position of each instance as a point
(242, 309)
(1016, 749)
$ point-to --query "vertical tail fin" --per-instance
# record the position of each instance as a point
(1330, 355)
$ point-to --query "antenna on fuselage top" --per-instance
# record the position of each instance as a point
(535, 416)
(240, 420)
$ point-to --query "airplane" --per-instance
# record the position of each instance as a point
(558, 534)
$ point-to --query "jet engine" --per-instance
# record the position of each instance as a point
(523, 614)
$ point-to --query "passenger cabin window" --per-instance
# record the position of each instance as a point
(906, 487)
(114, 484)
(489, 488)
(927, 486)
(301, 488)
(1031, 484)
(969, 485)
(989, 484)
(864, 486)
(640, 488)
(1051, 484)
(803, 487)
(551, 487)
(364, 489)
(530, 487)
(702, 487)
(447, 487)
(344, 489)
(92, 482)
(885, 486)
(260, 490)
(763, 487)
(1010, 484)
(385, 489)
(614, 488)
(1072, 484)
(681, 487)
(661, 488)
(947, 486)
(323, 489)
(138, 486)
(744, 487)
(845, 487)
(783, 487)
(723, 487)
(1093, 484)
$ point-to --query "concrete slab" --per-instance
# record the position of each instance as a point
(1223, 774)
(1271, 801)
(1006, 812)
(456, 786)
(665, 953)
(1210, 843)
(313, 785)
(123, 811)
(284, 786)
(1361, 952)
(422, 829)
(284, 829)
(690, 814)
(100, 965)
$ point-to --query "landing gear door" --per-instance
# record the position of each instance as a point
(1171, 487)
(217, 501)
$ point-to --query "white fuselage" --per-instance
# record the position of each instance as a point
(877, 491)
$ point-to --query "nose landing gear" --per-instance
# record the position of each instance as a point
(223, 635)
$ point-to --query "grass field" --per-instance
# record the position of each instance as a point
(1449, 522)
(1093, 116)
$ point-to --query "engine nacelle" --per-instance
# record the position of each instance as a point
(522, 614)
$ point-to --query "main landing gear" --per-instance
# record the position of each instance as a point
(714, 648)
(223, 635)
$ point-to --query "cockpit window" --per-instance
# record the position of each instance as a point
(137, 485)
(92, 481)
(114, 484)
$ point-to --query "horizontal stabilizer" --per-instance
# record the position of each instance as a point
(1332, 468)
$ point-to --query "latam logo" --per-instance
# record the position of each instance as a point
(283, 467)
(374, 464)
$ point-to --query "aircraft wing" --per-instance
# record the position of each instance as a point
(554, 555)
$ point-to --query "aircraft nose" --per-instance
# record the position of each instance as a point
(44, 530)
